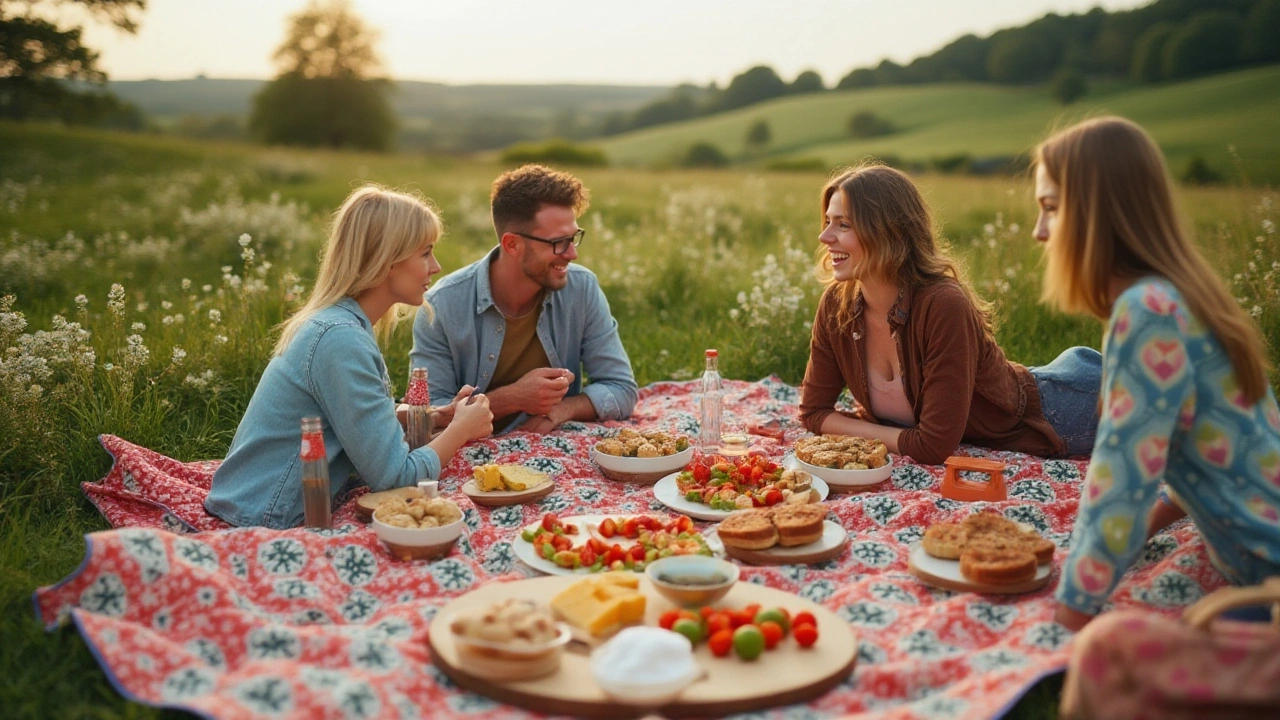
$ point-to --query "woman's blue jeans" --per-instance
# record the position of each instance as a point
(1069, 388)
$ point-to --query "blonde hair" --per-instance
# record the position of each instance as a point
(1116, 219)
(897, 234)
(374, 229)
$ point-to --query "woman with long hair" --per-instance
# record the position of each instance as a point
(380, 255)
(1186, 405)
(898, 327)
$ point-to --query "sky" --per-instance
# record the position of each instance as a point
(620, 42)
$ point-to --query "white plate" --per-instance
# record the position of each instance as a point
(948, 571)
(840, 478)
(667, 493)
(833, 536)
(586, 525)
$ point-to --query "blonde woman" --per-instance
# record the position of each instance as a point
(379, 255)
(1186, 402)
(914, 345)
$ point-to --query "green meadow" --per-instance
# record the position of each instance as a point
(1228, 119)
(142, 277)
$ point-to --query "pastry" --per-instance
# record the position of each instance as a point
(997, 566)
(945, 540)
(798, 524)
(841, 452)
(749, 530)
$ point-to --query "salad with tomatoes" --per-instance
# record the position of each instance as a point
(623, 543)
(748, 482)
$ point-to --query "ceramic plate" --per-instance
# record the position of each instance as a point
(667, 493)
(586, 525)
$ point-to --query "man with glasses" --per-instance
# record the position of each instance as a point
(523, 324)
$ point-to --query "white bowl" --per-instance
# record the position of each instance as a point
(418, 543)
(512, 661)
(645, 666)
(848, 477)
(665, 574)
(665, 463)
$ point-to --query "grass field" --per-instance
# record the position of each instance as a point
(1203, 117)
(169, 358)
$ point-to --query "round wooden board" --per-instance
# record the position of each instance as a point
(367, 503)
(498, 498)
(831, 545)
(946, 575)
(787, 674)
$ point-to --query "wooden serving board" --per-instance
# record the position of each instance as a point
(498, 498)
(367, 503)
(831, 545)
(787, 674)
(946, 575)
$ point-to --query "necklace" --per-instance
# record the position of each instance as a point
(537, 302)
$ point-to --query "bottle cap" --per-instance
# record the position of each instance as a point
(713, 353)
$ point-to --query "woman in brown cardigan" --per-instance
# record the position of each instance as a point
(914, 345)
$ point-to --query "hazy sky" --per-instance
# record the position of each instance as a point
(583, 41)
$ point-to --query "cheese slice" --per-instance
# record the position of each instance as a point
(488, 478)
(602, 604)
(519, 477)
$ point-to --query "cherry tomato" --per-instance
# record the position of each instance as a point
(720, 643)
(772, 496)
(614, 554)
(772, 632)
(597, 545)
(748, 642)
(636, 553)
(609, 528)
(549, 522)
(689, 628)
(804, 618)
(806, 635)
(561, 542)
(570, 529)
(701, 473)
(630, 528)
(719, 620)
(775, 615)
(587, 555)
(668, 618)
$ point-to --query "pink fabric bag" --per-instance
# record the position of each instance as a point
(1130, 664)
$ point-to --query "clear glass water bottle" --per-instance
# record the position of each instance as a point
(315, 475)
(709, 405)
(420, 417)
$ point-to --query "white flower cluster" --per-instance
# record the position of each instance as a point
(283, 225)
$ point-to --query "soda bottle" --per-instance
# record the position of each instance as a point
(420, 418)
(709, 405)
(315, 475)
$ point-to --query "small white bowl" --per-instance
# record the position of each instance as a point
(418, 543)
(512, 661)
(665, 463)
(846, 478)
(692, 580)
(620, 665)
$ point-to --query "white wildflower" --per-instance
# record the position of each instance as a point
(166, 305)
(82, 302)
(215, 316)
(138, 327)
(115, 300)
(245, 240)
(178, 355)
(186, 283)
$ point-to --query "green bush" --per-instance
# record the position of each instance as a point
(704, 154)
(556, 152)
(952, 164)
(865, 124)
(1067, 86)
(1199, 172)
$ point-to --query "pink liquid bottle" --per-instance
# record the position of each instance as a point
(315, 475)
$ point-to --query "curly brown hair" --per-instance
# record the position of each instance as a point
(519, 194)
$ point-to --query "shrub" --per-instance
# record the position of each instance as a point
(865, 124)
(1208, 42)
(1067, 86)
(952, 164)
(555, 151)
(759, 135)
(1198, 172)
(704, 154)
(1147, 64)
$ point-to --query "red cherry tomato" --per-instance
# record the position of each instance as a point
(772, 633)
(668, 618)
(608, 528)
(719, 620)
(550, 521)
(804, 618)
(721, 643)
(587, 555)
(806, 635)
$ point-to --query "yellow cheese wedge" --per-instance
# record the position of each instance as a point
(519, 477)
(488, 478)
(601, 605)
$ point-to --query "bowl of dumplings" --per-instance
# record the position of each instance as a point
(418, 528)
(643, 452)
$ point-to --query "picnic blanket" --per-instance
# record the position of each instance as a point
(183, 612)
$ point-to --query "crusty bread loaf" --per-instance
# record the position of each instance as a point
(988, 531)
(945, 540)
(798, 524)
(749, 530)
(991, 566)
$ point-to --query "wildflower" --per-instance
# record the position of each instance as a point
(82, 302)
(186, 284)
(108, 366)
(215, 316)
(166, 305)
(734, 313)
(142, 306)
(138, 327)
(247, 255)
(220, 339)
(206, 288)
(167, 320)
(1256, 311)
(178, 355)
(115, 300)
(245, 240)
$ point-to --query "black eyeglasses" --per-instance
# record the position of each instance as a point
(559, 246)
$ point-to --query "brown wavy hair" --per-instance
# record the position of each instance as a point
(517, 195)
(897, 234)
(1116, 219)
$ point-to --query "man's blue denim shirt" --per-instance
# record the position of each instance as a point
(332, 369)
(461, 344)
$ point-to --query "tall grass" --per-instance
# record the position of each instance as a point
(142, 279)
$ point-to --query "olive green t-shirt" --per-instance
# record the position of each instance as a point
(522, 351)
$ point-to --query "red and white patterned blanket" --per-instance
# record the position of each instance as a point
(236, 623)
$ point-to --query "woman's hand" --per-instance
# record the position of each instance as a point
(472, 417)
(1071, 618)
(442, 416)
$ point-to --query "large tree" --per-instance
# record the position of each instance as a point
(328, 92)
(38, 56)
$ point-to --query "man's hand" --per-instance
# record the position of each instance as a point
(540, 424)
(442, 416)
(541, 390)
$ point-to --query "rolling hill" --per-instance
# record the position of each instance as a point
(1207, 116)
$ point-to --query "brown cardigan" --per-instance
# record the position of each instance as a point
(956, 378)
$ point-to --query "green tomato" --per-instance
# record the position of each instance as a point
(776, 615)
(692, 629)
(748, 642)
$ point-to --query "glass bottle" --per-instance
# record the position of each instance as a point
(420, 417)
(709, 405)
(315, 475)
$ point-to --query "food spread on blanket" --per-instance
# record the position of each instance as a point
(785, 525)
(490, 478)
(417, 512)
(517, 622)
(749, 482)
(991, 548)
(617, 543)
(747, 631)
(636, 444)
(842, 452)
(602, 604)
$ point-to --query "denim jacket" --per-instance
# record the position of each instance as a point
(332, 369)
(461, 344)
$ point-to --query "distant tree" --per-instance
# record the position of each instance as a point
(1261, 41)
(1208, 42)
(704, 154)
(889, 72)
(1020, 57)
(1067, 86)
(38, 56)
(865, 124)
(857, 78)
(679, 104)
(1148, 53)
(326, 93)
(759, 135)
(1198, 172)
(808, 81)
(755, 85)
(555, 151)
(964, 59)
